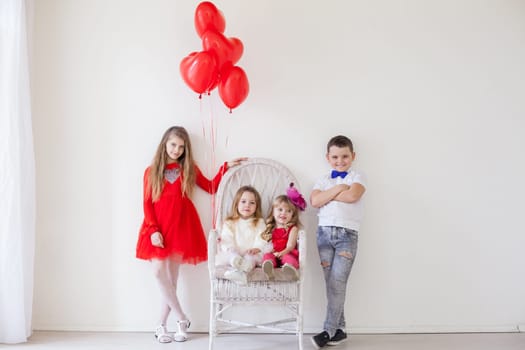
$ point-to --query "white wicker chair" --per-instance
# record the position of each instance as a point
(271, 179)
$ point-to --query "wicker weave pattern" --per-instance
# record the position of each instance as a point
(255, 292)
(271, 179)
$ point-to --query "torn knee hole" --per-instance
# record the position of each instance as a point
(346, 254)
(325, 264)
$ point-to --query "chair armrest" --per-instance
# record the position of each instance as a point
(212, 251)
(301, 242)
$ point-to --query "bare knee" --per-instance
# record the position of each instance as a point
(325, 264)
(346, 254)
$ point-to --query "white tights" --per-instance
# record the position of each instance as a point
(167, 272)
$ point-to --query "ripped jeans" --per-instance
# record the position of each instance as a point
(337, 249)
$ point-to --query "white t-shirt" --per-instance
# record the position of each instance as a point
(340, 214)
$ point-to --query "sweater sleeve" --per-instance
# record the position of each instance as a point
(207, 185)
(227, 239)
(150, 218)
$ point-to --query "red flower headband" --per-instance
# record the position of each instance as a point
(295, 197)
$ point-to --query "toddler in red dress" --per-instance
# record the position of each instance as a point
(282, 230)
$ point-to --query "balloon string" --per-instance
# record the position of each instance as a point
(209, 154)
(213, 137)
(202, 121)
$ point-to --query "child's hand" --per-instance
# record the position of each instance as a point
(254, 251)
(343, 187)
(236, 161)
(157, 240)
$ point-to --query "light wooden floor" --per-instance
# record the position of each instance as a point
(199, 341)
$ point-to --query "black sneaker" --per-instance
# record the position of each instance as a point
(338, 338)
(321, 339)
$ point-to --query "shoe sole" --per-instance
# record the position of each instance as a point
(163, 339)
(268, 270)
(333, 343)
(291, 273)
(315, 344)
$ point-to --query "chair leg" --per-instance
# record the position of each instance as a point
(210, 344)
(212, 332)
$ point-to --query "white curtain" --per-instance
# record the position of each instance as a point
(17, 177)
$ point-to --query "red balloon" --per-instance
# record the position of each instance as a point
(213, 85)
(237, 49)
(233, 86)
(199, 71)
(208, 17)
(224, 49)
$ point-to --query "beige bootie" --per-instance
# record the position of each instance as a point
(267, 267)
(290, 272)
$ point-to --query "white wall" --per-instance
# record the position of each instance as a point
(431, 92)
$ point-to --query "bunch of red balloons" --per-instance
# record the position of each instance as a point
(214, 66)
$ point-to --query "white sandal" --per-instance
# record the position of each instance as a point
(161, 333)
(181, 334)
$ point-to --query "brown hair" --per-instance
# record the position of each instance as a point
(341, 142)
(234, 212)
(160, 160)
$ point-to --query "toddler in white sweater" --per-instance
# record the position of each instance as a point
(241, 245)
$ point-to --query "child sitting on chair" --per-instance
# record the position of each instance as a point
(241, 245)
(282, 230)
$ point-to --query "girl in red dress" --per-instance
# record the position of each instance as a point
(171, 233)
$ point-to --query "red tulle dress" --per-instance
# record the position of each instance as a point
(176, 218)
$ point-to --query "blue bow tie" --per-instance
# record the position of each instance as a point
(341, 174)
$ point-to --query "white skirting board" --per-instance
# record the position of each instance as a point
(203, 328)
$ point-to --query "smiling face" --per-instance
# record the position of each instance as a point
(174, 148)
(340, 158)
(282, 214)
(247, 205)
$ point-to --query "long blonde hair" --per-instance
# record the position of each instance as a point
(234, 212)
(160, 160)
(270, 219)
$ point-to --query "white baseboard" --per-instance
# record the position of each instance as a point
(203, 328)
(434, 329)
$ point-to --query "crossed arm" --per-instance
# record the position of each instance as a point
(342, 193)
